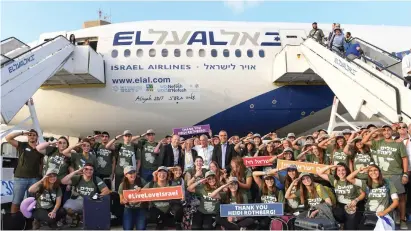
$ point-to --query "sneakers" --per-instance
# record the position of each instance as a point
(403, 225)
(60, 224)
(75, 221)
(243, 228)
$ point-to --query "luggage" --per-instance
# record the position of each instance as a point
(282, 223)
(15, 222)
(315, 224)
(116, 209)
(96, 213)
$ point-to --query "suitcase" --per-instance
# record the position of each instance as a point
(315, 224)
(116, 209)
(96, 213)
(285, 222)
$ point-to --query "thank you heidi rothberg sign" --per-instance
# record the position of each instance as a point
(251, 210)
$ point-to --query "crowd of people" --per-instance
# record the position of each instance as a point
(365, 175)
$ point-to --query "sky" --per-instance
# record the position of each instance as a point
(26, 20)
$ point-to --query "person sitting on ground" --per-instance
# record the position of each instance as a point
(48, 196)
(167, 212)
(87, 185)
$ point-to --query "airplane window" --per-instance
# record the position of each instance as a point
(140, 53)
(238, 53)
(114, 53)
(127, 53)
(261, 53)
(164, 52)
(189, 53)
(177, 53)
(250, 53)
(214, 53)
(226, 53)
(201, 52)
(152, 53)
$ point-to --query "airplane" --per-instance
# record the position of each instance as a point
(166, 74)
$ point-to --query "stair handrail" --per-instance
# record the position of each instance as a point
(15, 39)
(31, 49)
(397, 91)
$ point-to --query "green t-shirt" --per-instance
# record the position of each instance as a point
(44, 201)
(362, 160)
(271, 197)
(104, 159)
(388, 156)
(29, 161)
(313, 201)
(163, 206)
(344, 190)
(378, 197)
(149, 160)
(338, 156)
(192, 173)
(208, 205)
(133, 186)
(248, 173)
(87, 188)
(233, 199)
(125, 155)
(58, 161)
(78, 160)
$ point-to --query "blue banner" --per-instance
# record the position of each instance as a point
(251, 210)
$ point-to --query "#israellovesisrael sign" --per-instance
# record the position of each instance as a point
(251, 210)
(193, 130)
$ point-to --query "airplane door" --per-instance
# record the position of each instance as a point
(292, 37)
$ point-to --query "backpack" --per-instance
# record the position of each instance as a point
(329, 192)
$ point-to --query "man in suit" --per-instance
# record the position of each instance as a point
(223, 152)
(172, 153)
(189, 155)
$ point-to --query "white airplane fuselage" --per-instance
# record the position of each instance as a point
(162, 75)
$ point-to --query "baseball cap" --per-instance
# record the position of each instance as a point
(162, 168)
(339, 134)
(128, 169)
(323, 130)
(127, 132)
(290, 135)
(309, 136)
(209, 173)
(52, 171)
(268, 177)
(150, 131)
(288, 150)
(233, 179)
(277, 140)
(346, 131)
(292, 166)
(305, 174)
(386, 126)
(257, 135)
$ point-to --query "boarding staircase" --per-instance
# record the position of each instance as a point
(371, 85)
(53, 63)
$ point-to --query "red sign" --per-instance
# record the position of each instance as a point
(257, 161)
(154, 194)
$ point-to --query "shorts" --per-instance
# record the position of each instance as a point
(76, 205)
(397, 181)
(20, 187)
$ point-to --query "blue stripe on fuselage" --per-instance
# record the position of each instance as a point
(290, 103)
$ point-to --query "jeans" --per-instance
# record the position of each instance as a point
(350, 221)
(66, 194)
(202, 221)
(21, 186)
(134, 217)
(147, 175)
